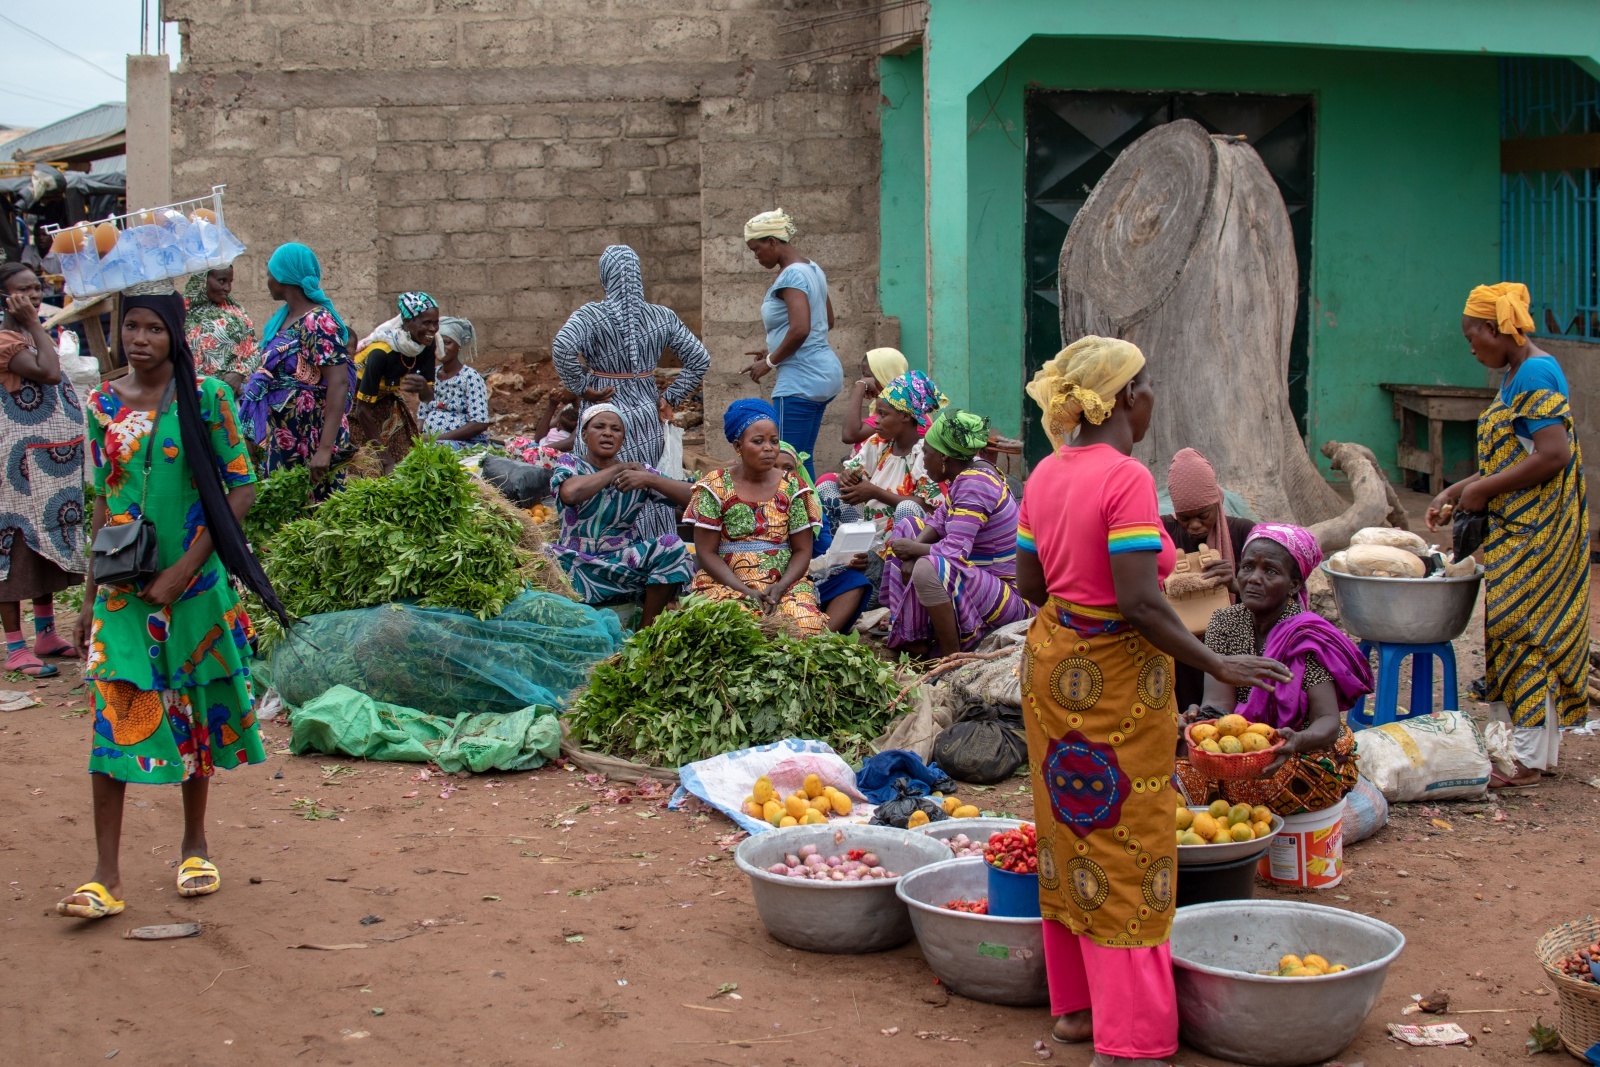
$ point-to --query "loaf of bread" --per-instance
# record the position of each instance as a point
(1384, 535)
(1383, 561)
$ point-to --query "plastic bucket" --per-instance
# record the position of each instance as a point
(1308, 851)
(1204, 883)
(1012, 895)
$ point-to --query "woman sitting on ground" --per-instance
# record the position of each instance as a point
(754, 525)
(879, 367)
(458, 412)
(1317, 765)
(887, 479)
(398, 356)
(600, 499)
(1198, 519)
(956, 578)
(841, 590)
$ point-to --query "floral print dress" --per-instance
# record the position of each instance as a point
(755, 541)
(457, 400)
(170, 686)
(221, 335)
(282, 404)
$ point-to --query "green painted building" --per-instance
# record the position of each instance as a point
(1382, 121)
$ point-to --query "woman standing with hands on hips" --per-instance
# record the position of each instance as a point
(1097, 697)
(167, 656)
(797, 314)
(1536, 563)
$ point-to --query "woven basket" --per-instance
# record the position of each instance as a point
(1579, 1001)
(1229, 766)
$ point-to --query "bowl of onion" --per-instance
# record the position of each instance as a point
(832, 888)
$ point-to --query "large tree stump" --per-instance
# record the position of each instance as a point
(1184, 248)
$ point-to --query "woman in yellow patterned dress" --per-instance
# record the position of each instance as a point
(1097, 697)
(1536, 582)
(754, 524)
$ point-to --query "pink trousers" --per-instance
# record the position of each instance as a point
(1129, 989)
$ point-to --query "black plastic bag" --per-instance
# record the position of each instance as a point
(986, 744)
(907, 801)
(1467, 531)
(524, 484)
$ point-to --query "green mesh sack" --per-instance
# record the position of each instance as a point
(445, 663)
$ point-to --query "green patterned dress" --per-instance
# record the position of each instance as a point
(171, 686)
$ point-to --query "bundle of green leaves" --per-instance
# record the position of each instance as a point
(711, 678)
(420, 533)
(281, 498)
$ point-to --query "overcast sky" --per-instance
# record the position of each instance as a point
(38, 84)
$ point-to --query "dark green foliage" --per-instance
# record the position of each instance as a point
(280, 500)
(421, 533)
(710, 679)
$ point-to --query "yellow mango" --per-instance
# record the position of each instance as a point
(762, 790)
(788, 820)
(951, 804)
(813, 786)
(918, 818)
(813, 817)
(772, 811)
(842, 804)
(797, 805)
(966, 811)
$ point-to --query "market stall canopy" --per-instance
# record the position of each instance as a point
(77, 140)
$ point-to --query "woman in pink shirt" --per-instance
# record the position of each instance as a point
(1097, 692)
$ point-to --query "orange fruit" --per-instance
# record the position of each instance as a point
(1259, 813)
(1261, 829)
(1224, 836)
(1240, 831)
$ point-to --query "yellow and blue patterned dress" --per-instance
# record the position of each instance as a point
(171, 686)
(755, 541)
(1536, 595)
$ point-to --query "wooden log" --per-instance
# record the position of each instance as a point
(1367, 483)
(1184, 248)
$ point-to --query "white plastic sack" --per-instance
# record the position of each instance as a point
(81, 369)
(724, 781)
(671, 464)
(1365, 812)
(1427, 757)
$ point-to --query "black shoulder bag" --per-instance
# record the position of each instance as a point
(127, 553)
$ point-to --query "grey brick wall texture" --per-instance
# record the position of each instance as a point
(487, 150)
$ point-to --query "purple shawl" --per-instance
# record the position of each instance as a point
(1285, 704)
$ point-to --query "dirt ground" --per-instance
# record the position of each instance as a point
(550, 918)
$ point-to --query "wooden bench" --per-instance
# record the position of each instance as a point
(1438, 404)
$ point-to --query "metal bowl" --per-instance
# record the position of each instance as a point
(991, 958)
(835, 916)
(1408, 611)
(1236, 850)
(1227, 1010)
(978, 829)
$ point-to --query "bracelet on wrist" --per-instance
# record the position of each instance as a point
(771, 364)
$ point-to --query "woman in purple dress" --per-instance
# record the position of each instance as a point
(957, 574)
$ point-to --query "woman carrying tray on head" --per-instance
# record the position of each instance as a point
(1530, 482)
(1317, 765)
(167, 657)
(1097, 697)
(296, 403)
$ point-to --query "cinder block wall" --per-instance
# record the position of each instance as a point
(487, 150)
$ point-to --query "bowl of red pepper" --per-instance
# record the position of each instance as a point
(1012, 857)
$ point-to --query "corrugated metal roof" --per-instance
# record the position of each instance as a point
(96, 122)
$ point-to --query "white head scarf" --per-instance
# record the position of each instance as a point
(770, 224)
(461, 332)
(595, 409)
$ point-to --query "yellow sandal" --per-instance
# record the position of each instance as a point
(195, 868)
(101, 903)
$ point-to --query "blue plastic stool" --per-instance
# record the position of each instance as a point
(1386, 701)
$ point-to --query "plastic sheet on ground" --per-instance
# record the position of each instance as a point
(537, 651)
(345, 722)
(724, 781)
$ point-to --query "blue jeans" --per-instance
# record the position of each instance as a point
(799, 421)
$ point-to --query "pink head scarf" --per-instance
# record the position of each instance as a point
(1192, 484)
(1302, 545)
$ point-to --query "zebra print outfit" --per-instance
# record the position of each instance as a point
(617, 343)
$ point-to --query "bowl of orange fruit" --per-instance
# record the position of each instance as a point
(1223, 832)
(1231, 747)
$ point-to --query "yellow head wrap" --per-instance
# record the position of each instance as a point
(887, 364)
(1505, 304)
(1082, 382)
(769, 224)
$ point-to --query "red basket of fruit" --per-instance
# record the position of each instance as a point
(1232, 747)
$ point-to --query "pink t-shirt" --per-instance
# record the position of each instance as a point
(1080, 507)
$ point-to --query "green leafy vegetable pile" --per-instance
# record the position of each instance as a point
(280, 500)
(421, 533)
(711, 678)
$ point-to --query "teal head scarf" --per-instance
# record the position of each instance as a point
(295, 264)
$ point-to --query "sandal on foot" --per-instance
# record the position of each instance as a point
(1500, 781)
(101, 903)
(24, 662)
(54, 645)
(193, 869)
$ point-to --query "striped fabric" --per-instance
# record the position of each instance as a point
(616, 344)
(1025, 540)
(1136, 537)
(1536, 589)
